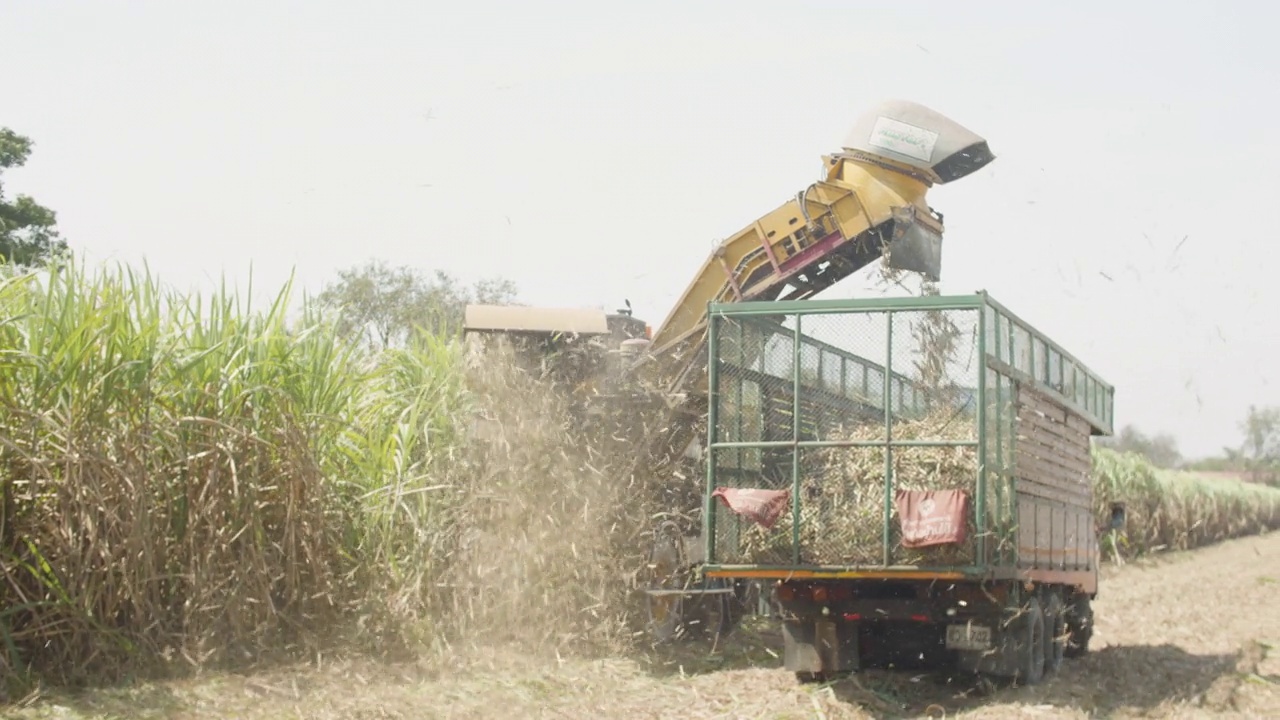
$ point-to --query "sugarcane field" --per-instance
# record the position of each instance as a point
(807, 361)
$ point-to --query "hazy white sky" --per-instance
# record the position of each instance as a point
(596, 151)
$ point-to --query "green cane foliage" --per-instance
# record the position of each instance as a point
(187, 480)
(1177, 510)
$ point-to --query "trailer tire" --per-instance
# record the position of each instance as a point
(1079, 618)
(1055, 623)
(1029, 636)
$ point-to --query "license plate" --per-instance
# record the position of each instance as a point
(968, 637)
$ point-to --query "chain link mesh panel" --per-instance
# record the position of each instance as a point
(935, 366)
(1001, 421)
(843, 376)
(1016, 346)
(947, 467)
(842, 506)
(861, 375)
(875, 383)
(754, 407)
(754, 390)
(916, 375)
(742, 541)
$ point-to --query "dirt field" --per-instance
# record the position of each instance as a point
(1193, 635)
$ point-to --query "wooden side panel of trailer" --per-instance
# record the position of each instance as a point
(1054, 492)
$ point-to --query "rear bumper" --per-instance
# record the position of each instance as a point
(789, 573)
(1085, 580)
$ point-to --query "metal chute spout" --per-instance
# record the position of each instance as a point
(914, 245)
(908, 133)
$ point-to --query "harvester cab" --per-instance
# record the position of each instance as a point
(585, 350)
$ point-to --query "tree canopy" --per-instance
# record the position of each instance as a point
(1261, 449)
(386, 304)
(1161, 450)
(28, 232)
(1257, 456)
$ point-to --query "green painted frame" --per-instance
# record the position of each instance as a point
(1091, 397)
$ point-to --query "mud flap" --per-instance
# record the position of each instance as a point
(821, 646)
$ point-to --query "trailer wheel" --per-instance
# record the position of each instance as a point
(1029, 631)
(1079, 618)
(1055, 623)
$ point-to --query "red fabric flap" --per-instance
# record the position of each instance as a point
(763, 507)
(932, 517)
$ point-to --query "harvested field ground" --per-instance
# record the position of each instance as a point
(1188, 635)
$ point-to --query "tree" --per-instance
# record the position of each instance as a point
(1261, 451)
(385, 304)
(1231, 460)
(28, 234)
(1161, 450)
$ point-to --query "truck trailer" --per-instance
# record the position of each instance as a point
(910, 478)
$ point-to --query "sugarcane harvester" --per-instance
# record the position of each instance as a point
(868, 204)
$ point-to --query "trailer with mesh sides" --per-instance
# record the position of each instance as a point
(911, 476)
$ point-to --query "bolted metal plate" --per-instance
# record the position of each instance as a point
(915, 247)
